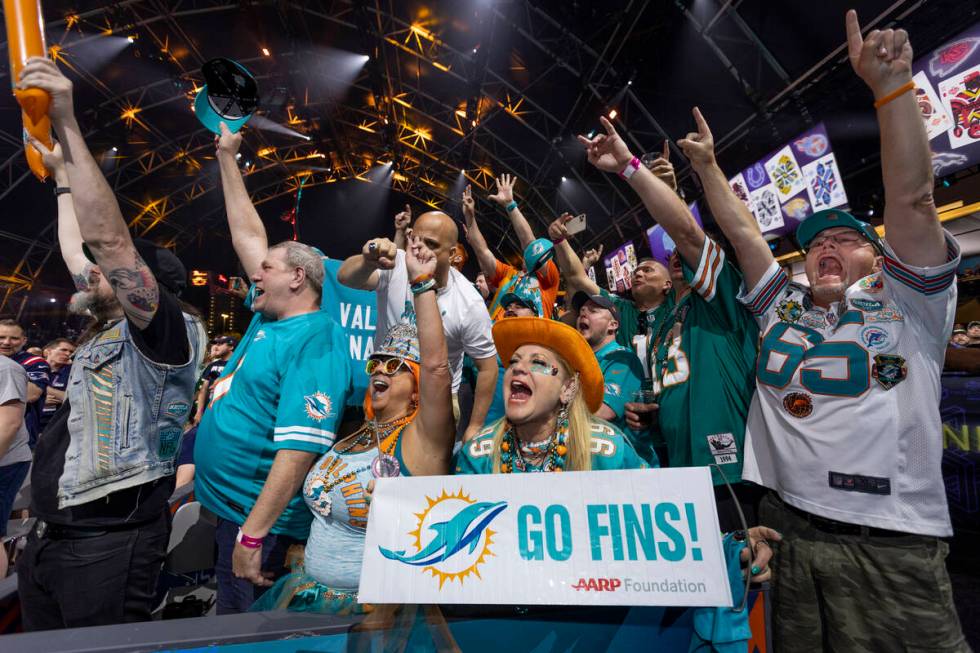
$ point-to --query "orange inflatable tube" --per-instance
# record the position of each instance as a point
(25, 39)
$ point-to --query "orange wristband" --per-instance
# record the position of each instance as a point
(904, 88)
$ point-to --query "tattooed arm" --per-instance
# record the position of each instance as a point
(100, 222)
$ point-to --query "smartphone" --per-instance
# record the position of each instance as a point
(236, 283)
(576, 224)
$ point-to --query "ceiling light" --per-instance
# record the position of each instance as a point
(115, 149)
(612, 114)
(563, 178)
(265, 51)
(131, 39)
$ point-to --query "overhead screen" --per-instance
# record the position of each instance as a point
(947, 84)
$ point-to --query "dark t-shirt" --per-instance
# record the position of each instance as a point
(164, 341)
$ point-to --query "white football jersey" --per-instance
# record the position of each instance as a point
(845, 420)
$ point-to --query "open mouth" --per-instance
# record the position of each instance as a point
(519, 391)
(379, 385)
(829, 266)
(583, 325)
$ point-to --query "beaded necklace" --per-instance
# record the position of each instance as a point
(555, 446)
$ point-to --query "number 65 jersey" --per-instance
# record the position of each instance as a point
(845, 421)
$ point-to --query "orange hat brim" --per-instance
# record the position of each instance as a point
(512, 332)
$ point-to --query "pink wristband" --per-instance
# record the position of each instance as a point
(248, 542)
(630, 168)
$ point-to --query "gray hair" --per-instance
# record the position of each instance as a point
(303, 256)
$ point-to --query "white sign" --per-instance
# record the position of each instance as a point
(636, 537)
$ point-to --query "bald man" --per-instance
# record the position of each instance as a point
(381, 267)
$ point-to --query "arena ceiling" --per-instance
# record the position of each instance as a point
(448, 92)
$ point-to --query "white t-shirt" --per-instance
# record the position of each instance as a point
(13, 387)
(465, 319)
(845, 420)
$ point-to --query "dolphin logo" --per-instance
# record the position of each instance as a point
(452, 535)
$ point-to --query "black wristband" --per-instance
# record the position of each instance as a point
(62, 190)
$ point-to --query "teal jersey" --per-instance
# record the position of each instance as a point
(284, 388)
(636, 327)
(622, 374)
(704, 362)
(610, 450)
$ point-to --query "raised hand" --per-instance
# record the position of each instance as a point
(227, 144)
(883, 59)
(608, 151)
(403, 218)
(663, 169)
(419, 259)
(591, 257)
(42, 73)
(53, 160)
(469, 206)
(505, 190)
(699, 146)
(558, 230)
(380, 253)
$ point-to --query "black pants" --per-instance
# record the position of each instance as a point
(92, 581)
(748, 495)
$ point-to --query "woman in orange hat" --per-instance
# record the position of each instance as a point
(552, 388)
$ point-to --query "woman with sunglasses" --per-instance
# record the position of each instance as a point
(409, 431)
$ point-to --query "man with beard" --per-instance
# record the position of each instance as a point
(103, 474)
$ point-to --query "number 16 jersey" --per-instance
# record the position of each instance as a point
(845, 421)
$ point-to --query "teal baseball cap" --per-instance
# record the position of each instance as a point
(537, 253)
(230, 95)
(829, 218)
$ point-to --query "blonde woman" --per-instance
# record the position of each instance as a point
(552, 387)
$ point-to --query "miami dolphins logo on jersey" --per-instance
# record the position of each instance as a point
(789, 310)
(875, 338)
(318, 406)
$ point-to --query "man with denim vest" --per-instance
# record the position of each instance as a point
(103, 475)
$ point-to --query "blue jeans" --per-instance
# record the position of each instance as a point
(11, 478)
(236, 595)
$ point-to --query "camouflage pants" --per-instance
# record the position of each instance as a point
(857, 592)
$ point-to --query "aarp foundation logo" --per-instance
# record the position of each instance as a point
(452, 537)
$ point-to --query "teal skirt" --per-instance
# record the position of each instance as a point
(300, 592)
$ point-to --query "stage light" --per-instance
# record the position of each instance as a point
(612, 114)
(53, 300)
(131, 39)
(265, 51)
(115, 149)
(629, 83)
(563, 178)
(238, 155)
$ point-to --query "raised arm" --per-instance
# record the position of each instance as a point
(430, 442)
(69, 237)
(361, 270)
(734, 218)
(100, 222)
(505, 198)
(569, 264)
(486, 259)
(402, 220)
(248, 235)
(884, 61)
(609, 153)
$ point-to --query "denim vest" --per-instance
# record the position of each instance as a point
(127, 413)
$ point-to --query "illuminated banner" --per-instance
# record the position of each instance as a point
(638, 537)
(356, 313)
(661, 244)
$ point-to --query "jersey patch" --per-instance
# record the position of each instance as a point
(872, 283)
(867, 305)
(856, 483)
(318, 406)
(798, 404)
(789, 310)
(875, 338)
(889, 370)
(724, 448)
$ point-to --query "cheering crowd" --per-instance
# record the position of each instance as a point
(829, 439)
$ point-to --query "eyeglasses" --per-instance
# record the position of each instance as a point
(538, 367)
(388, 366)
(842, 239)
